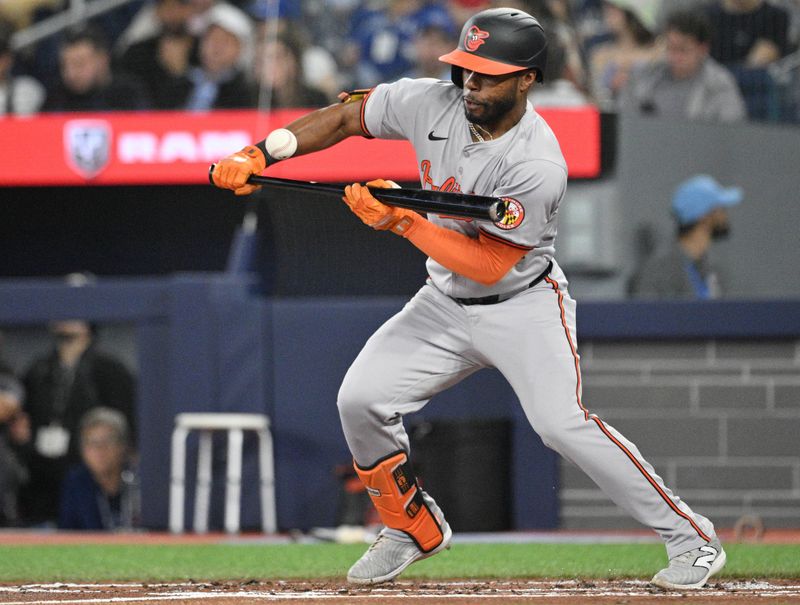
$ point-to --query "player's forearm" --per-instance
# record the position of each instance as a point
(314, 131)
(481, 260)
(322, 128)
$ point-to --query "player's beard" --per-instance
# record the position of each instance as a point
(491, 113)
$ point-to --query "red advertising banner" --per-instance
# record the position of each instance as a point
(165, 147)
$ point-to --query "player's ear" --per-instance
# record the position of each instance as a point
(526, 80)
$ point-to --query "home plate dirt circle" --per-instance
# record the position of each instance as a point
(408, 592)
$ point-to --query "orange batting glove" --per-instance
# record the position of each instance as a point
(375, 213)
(233, 171)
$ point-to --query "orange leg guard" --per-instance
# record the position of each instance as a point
(391, 484)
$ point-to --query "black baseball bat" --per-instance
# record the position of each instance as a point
(422, 200)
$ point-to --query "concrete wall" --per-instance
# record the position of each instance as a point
(600, 221)
(208, 342)
(719, 420)
(709, 391)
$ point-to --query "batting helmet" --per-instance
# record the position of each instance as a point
(499, 41)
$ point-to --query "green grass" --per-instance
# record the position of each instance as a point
(94, 563)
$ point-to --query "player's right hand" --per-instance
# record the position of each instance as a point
(233, 171)
(374, 213)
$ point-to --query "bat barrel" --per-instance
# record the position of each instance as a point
(439, 203)
(422, 200)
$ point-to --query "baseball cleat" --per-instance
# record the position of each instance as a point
(388, 556)
(692, 569)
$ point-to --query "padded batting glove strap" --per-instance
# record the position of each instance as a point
(391, 484)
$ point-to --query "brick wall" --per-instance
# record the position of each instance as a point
(719, 420)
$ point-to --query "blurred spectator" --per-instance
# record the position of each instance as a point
(149, 21)
(699, 206)
(204, 14)
(279, 71)
(461, 10)
(792, 7)
(326, 22)
(162, 61)
(680, 6)
(219, 81)
(42, 58)
(21, 12)
(748, 33)
(632, 24)
(689, 83)
(590, 23)
(556, 90)
(749, 36)
(430, 43)
(12, 473)
(100, 492)
(558, 19)
(153, 19)
(380, 40)
(87, 82)
(61, 386)
(19, 95)
(319, 68)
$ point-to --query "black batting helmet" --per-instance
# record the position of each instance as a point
(499, 41)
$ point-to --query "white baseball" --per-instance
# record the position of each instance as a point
(281, 144)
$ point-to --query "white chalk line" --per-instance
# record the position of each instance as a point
(448, 590)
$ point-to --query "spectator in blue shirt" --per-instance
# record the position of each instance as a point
(381, 41)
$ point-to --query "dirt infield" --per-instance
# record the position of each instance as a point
(572, 592)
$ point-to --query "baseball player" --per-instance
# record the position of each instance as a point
(495, 297)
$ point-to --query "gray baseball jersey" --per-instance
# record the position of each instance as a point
(436, 340)
(525, 164)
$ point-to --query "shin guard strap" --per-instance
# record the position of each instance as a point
(394, 491)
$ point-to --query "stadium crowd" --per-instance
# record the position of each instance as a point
(67, 429)
(717, 60)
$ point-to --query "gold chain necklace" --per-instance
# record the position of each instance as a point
(477, 135)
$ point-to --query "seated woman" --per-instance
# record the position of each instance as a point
(633, 28)
(99, 493)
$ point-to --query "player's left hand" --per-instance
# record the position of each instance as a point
(375, 213)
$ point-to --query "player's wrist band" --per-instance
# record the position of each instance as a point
(262, 145)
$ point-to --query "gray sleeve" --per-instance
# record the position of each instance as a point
(538, 186)
(391, 110)
(728, 103)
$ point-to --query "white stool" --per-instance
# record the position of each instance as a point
(235, 424)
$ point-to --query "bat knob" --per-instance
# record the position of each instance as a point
(497, 211)
(211, 173)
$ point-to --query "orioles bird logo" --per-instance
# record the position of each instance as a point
(475, 37)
